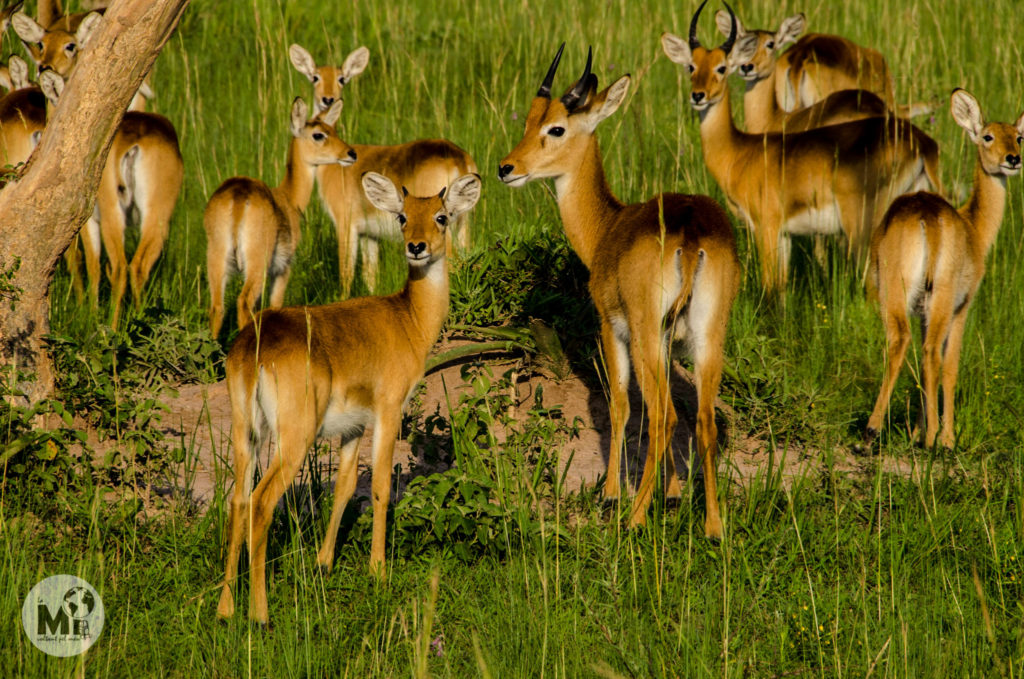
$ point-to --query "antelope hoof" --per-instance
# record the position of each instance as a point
(226, 606)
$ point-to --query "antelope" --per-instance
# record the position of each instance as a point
(51, 13)
(328, 81)
(815, 66)
(762, 111)
(424, 167)
(22, 116)
(835, 179)
(927, 259)
(660, 268)
(254, 229)
(56, 48)
(143, 172)
(303, 372)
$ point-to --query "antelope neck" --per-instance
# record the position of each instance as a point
(983, 211)
(297, 184)
(426, 296)
(586, 203)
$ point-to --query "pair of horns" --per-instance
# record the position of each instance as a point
(727, 45)
(573, 97)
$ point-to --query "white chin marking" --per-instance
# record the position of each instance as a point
(345, 162)
(518, 180)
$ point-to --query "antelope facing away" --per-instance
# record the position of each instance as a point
(144, 172)
(762, 111)
(423, 167)
(254, 229)
(22, 115)
(829, 180)
(663, 267)
(303, 372)
(927, 259)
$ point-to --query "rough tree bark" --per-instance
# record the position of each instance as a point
(42, 212)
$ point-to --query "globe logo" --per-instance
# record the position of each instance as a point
(79, 603)
(62, 615)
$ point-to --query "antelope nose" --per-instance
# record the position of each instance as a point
(416, 248)
(697, 97)
(1012, 160)
(747, 68)
(504, 170)
(352, 154)
(327, 101)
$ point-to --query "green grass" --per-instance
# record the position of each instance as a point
(832, 574)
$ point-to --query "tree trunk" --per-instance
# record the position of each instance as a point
(42, 212)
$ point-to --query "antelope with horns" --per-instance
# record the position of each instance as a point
(762, 111)
(143, 172)
(423, 167)
(22, 115)
(836, 179)
(927, 259)
(254, 229)
(657, 269)
(304, 372)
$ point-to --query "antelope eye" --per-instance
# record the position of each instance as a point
(770, 44)
(988, 137)
(401, 219)
(341, 80)
(691, 68)
(721, 69)
(316, 79)
(319, 136)
(442, 220)
(39, 45)
(71, 47)
(556, 131)
(1020, 140)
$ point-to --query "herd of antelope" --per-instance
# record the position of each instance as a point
(826, 151)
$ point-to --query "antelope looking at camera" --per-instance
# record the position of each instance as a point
(143, 172)
(423, 167)
(814, 67)
(22, 116)
(303, 372)
(927, 258)
(762, 111)
(836, 179)
(254, 229)
(660, 268)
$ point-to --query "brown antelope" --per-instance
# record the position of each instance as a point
(814, 67)
(665, 266)
(423, 167)
(328, 81)
(927, 259)
(303, 372)
(143, 172)
(836, 179)
(51, 13)
(762, 111)
(22, 116)
(254, 229)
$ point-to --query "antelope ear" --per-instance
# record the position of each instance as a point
(605, 103)
(302, 61)
(355, 63)
(790, 29)
(52, 86)
(967, 113)
(724, 23)
(18, 70)
(463, 194)
(743, 51)
(331, 115)
(85, 29)
(381, 192)
(27, 28)
(676, 49)
(1020, 125)
(300, 113)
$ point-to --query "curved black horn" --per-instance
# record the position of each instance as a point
(694, 43)
(573, 97)
(731, 40)
(545, 87)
